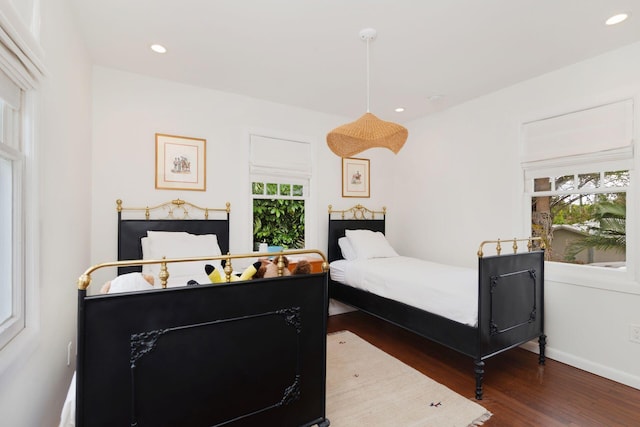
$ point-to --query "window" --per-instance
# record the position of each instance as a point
(578, 176)
(582, 217)
(278, 214)
(12, 289)
(280, 179)
(21, 71)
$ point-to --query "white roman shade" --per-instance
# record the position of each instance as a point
(20, 56)
(277, 157)
(601, 129)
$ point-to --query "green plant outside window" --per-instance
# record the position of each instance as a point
(279, 220)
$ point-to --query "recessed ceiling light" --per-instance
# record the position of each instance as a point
(158, 48)
(399, 110)
(618, 18)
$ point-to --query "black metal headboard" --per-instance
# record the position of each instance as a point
(356, 218)
(178, 216)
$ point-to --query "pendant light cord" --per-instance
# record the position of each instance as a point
(368, 75)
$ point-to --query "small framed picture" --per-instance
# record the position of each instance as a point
(180, 163)
(355, 177)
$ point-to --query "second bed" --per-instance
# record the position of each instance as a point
(477, 312)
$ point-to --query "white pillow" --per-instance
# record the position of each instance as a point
(146, 254)
(347, 250)
(183, 242)
(180, 244)
(369, 244)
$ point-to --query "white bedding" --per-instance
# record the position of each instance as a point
(448, 291)
(179, 244)
(68, 414)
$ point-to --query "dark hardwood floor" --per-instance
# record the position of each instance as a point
(516, 389)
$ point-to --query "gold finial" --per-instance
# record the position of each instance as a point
(498, 242)
(228, 269)
(84, 281)
(119, 205)
(228, 207)
(163, 275)
(330, 209)
(281, 266)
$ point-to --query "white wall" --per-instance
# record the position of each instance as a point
(129, 109)
(466, 164)
(32, 394)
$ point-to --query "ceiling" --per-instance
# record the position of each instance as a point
(308, 53)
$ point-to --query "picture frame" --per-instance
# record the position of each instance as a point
(181, 163)
(355, 177)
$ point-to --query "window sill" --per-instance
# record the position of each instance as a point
(592, 277)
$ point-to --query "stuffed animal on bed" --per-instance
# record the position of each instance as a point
(218, 276)
(269, 268)
(258, 270)
(128, 283)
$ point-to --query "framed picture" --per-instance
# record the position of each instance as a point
(180, 163)
(355, 177)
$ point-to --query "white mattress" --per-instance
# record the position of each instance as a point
(445, 290)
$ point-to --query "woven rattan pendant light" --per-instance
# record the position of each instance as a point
(368, 131)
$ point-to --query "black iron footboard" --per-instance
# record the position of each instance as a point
(510, 306)
(240, 354)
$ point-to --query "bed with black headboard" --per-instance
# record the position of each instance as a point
(510, 295)
(164, 217)
(239, 354)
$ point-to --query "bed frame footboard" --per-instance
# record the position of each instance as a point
(510, 306)
(240, 354)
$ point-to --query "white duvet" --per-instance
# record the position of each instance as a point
(448, 291)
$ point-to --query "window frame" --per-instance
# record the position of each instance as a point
(14, 324)
(21, 72)
(277, 169)
(13, 353)
(627, 280)
(292, 180)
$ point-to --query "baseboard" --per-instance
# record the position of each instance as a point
(586, 365)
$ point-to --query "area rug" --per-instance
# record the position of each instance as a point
(368, 387)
